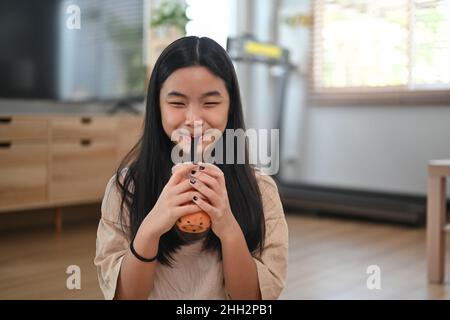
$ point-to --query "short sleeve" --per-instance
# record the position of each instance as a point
(272, 263)
(112, 241)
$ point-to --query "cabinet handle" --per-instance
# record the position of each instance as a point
(5, 145)
(85, 142)
(5, 119)
(86, 120)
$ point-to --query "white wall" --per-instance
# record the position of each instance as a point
(376, 148)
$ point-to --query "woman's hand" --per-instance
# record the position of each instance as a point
(209, 181)
(174, 202)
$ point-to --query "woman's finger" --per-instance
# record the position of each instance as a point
(186, 197)
(181, 187)
(186, 209)
(205, 190)
(207, 179)
(210, 169)
(180, 173)
(205, 206)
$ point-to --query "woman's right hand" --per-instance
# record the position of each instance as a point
(174, 202)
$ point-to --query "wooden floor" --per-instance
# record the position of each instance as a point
(328, 258)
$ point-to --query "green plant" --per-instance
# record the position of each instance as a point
(170, 13)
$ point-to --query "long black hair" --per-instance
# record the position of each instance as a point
(148, 165)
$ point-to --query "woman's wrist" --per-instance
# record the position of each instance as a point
(147, 231)
(233, 235)
(139, 257)
(146, 243)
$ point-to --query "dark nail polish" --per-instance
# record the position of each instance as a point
(193, 172)
(192, 181)
(201, 167)
(195, 198)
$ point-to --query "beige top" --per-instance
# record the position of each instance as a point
(195, 274)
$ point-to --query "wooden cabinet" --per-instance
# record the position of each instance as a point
(23, 173)
(129, 132)
(81, 168)
(84, 127)
(23, 128)
(23, 161)
(61, 160)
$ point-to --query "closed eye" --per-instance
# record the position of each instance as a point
(177, 104)
(211, 104)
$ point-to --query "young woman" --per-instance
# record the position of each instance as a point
(140, 252)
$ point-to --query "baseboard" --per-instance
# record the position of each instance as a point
(387, 207)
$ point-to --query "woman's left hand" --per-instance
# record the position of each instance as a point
(210, 182)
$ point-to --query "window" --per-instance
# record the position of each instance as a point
(400, 48)
(209, 19)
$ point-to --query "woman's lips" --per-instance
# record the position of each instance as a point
(192, 137)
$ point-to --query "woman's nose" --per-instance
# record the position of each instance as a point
(193, 114)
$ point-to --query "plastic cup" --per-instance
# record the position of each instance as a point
(194, 223)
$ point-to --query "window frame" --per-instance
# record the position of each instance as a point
(365, 96)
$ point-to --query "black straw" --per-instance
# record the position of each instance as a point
(194, 144)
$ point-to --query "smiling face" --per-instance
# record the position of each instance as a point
(194, 98)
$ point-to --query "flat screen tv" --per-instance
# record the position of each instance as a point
(79, 50)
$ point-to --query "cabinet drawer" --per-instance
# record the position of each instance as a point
(129, 123)
(81, 168)
(23, 173)
(129, 131)
(23, 128)
(83, 127)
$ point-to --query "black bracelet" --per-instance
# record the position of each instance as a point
(140, 257)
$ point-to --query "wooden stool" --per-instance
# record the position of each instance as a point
(437, 225)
